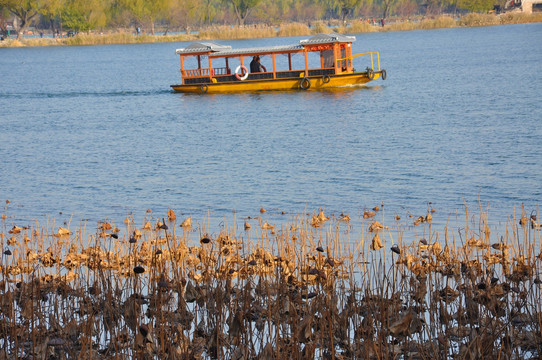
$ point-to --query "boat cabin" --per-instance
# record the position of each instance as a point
(320, 55)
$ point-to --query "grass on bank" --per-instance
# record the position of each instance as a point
(291, 29)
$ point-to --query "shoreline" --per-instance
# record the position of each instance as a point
(224, 32)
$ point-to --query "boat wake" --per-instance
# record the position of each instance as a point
(90, 94)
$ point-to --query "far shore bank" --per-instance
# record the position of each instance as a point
(224, 32)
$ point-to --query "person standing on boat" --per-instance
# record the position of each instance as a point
(255, 65)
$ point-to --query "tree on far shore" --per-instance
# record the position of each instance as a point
(24, 10)
(387, 6)
(476, 5)
(147, 12)
(242, 8)
(84, 16)
(343, 8)
(4, 13)
(52, 10)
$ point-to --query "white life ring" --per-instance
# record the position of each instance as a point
(244, 71)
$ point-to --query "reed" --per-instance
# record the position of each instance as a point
(116, 38)
(237, 32)
(309, 286)
(426, 24)
(293, 29)
(358, 27)
(474, 19)
(520, 18)
(320, 28)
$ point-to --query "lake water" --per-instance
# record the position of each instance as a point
(95, 132)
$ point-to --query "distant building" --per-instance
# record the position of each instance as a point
(527, 5)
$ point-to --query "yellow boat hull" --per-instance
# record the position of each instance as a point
(316, 83)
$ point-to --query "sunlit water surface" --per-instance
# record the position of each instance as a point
(95, 132)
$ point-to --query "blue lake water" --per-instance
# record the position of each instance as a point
(95, 132)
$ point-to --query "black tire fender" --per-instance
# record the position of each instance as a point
(326, 79)
(305, 83)
(204, 88)
(383, 74)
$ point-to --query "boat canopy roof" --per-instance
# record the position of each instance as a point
(217, 50)
(202, 47)
(328, 39)
(259, 50)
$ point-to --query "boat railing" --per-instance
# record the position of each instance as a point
(196, 72)
(224, 74)
(221, 71)
(371, 53)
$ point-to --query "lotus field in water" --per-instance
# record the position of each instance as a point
(313, 286)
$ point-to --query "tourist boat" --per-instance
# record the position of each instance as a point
(320, 62)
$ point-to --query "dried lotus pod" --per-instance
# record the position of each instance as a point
(139, 269)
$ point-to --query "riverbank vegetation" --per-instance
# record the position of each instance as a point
(371, 286)
(78, 22)
(288, 29)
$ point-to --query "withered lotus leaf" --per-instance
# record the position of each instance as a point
(376, 244)
(187, 222)
(401, 327)
(499, 246)
(305, 330)
(15, 230)
(56, 342)
(144, 329)
(63, 231)
(163, 284)
(190, 293)
(376, 226)
(106, 226)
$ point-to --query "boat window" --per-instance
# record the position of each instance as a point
(283, 63)
(191, 62)
(342, 64)
(327, 55)
(196, 66)
(298, 61)
(314, 60)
